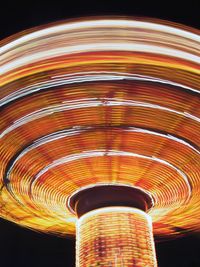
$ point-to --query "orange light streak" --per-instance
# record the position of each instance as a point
(103, 100)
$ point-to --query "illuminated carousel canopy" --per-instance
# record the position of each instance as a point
(100, 101)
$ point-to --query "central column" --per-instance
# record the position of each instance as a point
(113, 228)
(115, 237)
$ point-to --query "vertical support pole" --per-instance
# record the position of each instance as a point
(115, 237)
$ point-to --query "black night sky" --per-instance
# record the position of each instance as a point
(25, 248)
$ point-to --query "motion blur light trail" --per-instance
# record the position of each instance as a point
(100, 101)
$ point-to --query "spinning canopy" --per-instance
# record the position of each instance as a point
(100, 101)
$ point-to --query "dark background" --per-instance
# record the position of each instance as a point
(25, 248)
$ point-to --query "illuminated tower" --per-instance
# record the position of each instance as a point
(113, 228)
(99, 135)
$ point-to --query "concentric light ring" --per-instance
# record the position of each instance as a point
(104, 101)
